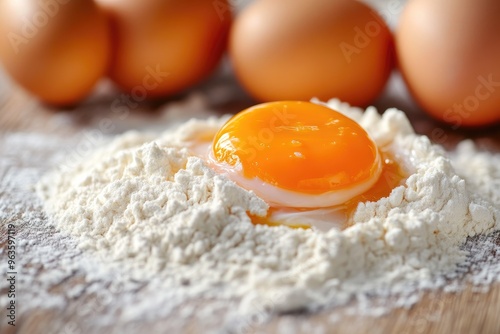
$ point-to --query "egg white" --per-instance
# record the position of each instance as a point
(319, 211)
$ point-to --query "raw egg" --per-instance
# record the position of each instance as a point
(164, 47)
(307, 161)
(296, 50)
(57, 50)
(449, 55)
(297, 154)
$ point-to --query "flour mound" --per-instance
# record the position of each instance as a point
(145, 203)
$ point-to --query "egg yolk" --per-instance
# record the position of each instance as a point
(297, 146)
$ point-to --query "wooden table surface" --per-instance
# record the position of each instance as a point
(437, 312)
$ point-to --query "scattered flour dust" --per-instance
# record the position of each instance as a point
(144, 203)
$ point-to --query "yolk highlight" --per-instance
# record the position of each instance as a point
(298, 146)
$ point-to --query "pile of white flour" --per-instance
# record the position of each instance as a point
(145, 204)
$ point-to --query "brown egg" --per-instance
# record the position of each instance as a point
(296, 50)
(162, 47)
(56, 49)
(449, 55)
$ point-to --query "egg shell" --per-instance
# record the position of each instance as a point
(57, 50)
(296, 50)
(449, 55)
(163, 47)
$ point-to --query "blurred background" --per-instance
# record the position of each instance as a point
(227, 89)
